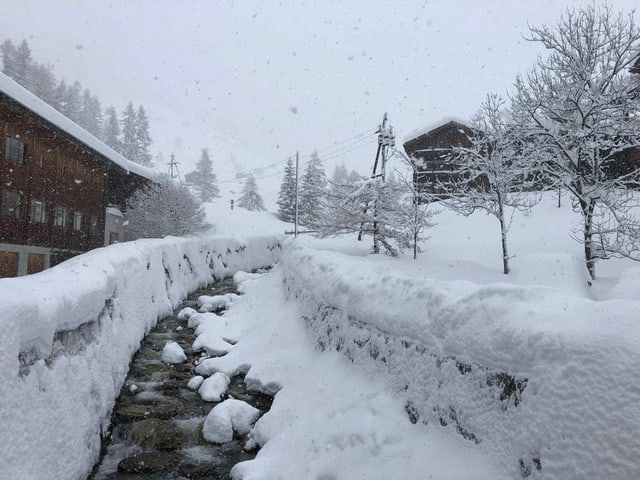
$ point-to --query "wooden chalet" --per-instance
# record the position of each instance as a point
(430, 150)
(61, 189)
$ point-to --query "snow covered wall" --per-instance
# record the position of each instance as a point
(69, 333)
(536, 378)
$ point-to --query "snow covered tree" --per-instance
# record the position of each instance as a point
(287, 195)
(8, 51)
(312, 192)
(250, 199)
(368, 207)
(576, 111)
(91, 114)
(414, 211)
(143, 138)
(72, 106)
(43, 83)
(164, 208)
(492, 174)
(111, 129)
(204, 181)
(129, 141)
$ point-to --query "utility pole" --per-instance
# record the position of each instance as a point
(295, 228)
(386, 139)
(173, 168)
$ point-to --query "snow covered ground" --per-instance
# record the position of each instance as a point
(384, 367)
(68, 334)
(526, 374)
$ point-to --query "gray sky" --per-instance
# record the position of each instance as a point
(273, 77)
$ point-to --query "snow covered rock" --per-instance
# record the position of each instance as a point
(212, 303)
(186, 313)
(173, 353)
(213, 388)
(228, 417)
(195, 382)
(211, 343)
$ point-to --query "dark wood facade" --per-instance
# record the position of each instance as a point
(54, 191)
(435, 172)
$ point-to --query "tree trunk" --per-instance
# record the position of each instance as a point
(503, 236)
(588, 208)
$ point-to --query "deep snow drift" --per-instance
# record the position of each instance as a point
(69, 333)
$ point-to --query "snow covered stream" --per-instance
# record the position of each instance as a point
(70, 332)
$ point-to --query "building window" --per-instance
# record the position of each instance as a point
(60, 216)
(77, 220)
(11, 203)
(93, 224)
(35, 263)
(16, 151)
(38, 212)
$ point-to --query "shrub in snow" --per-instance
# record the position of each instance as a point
(164, 208)
(173, 353)
(214, 387)
(227, 417)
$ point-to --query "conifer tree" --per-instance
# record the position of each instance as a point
(250, 199)
(287, 195)
(129, 144)
(111, 130)
(143, 138)
(205, 182)
(312, 192)
(8, 51)
(91, 114)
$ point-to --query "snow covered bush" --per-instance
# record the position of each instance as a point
(164, 208)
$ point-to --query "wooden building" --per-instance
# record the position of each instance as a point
(430, 150)
(60, 187)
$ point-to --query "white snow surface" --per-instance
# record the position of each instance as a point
(213, 388)
(68, 335)
(227, 417)
(210, 303)
(173, 353)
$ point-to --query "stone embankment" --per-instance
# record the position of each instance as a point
(157, 423)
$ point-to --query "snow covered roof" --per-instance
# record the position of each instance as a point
(432, 126)
(45, 111)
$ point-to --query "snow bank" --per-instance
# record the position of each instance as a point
(69, 333)
(543, 381)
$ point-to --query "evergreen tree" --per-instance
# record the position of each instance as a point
(8, 50)
(91, 114)
(73, 103)
(287, 195)
(23, 65)
(143, 138)
(129, 143)
(205, 182)
(312, 192)
(250, 199)
(60, 96)
(111, 130)
(44, 83)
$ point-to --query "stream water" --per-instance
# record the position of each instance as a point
(156, 431)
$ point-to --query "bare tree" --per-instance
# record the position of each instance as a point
(577, 111)
(492, 173)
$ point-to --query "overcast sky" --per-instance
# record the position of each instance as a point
(280, 76)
